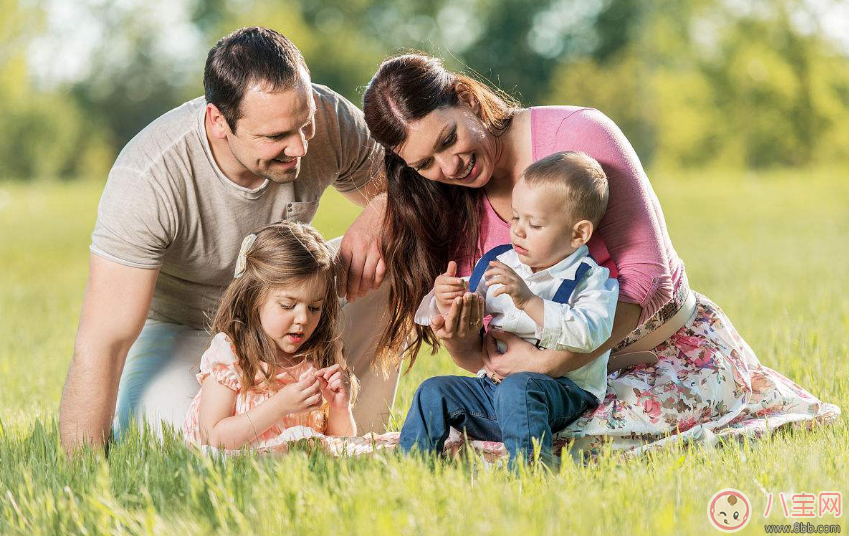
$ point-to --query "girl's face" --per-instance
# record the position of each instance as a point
(451, 145)
(291, 313)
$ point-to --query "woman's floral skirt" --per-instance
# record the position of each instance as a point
(707, 384)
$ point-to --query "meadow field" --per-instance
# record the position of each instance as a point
(770, 248)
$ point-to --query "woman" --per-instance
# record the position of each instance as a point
(454, 150)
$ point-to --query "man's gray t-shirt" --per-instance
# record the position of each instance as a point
(167, 204)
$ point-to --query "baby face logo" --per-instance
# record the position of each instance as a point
(729, 510)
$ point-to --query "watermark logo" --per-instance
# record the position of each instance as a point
(808, 505)
(729, 510)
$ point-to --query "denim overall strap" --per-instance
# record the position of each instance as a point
(567, 287)
(483, 264)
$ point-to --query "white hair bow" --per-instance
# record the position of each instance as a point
(242, 259)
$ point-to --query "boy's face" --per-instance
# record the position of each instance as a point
(541, 230)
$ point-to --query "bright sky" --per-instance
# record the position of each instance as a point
(77, 29)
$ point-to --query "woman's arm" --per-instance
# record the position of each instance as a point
(633, 228)
(522, 356)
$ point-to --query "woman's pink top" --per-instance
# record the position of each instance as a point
(631, 240)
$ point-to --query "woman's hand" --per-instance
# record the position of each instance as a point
(520, 356)
(463, 320)
(335, 385)
(448, 287)
(459, 329)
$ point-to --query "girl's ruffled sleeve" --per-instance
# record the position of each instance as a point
(221, 363)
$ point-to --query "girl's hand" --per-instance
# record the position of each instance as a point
(447, 287)
(302, 396)
(335, 385)
(499, 273)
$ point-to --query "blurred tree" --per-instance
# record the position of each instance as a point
(147, 61)
(731, 88)
(42, 130)
(691, 82)
(763, 92)
(639, 48)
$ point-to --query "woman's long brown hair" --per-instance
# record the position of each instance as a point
(285, 253)
(427, 223)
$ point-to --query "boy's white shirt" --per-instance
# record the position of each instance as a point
(581, 325)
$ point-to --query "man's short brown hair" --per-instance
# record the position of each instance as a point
(248, 57)
(579, 177)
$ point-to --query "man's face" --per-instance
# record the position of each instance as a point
(274, 131)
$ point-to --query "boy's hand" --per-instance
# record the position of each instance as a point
(499, 273)
(447, 287)
(302, 396)
(335, 385)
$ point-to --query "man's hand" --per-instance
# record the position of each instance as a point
(448, 287)
(360, 255)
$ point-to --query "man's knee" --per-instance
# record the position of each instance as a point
(158, 381)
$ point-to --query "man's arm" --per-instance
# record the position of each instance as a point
(115, 306)
(363, 195)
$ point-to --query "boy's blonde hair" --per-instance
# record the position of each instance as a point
(578, 177)
(284, 253)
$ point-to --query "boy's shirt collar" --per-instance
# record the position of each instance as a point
(565, 269)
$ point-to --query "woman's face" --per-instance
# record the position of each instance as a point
(450, 145)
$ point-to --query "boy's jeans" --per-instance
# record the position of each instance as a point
(525, 406)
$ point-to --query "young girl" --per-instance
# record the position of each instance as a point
(274, 371)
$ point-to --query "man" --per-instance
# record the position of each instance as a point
(260, 146)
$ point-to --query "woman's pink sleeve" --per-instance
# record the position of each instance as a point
(633, 227)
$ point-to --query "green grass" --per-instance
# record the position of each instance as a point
(770, 249)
